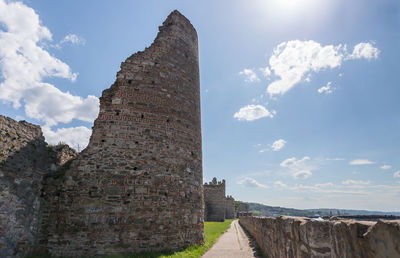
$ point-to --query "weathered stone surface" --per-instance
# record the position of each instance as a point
(25, 159)
(229, 207)
(214, 200)
(138, 185)
(303, 237)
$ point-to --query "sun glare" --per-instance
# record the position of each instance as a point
(296, 6)
(290, 4)
(289, 10)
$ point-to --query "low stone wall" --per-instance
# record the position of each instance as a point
(302, 237)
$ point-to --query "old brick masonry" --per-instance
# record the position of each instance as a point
(138, 185)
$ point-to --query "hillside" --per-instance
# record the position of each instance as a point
(274, 211)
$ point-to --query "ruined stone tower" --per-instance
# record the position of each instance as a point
(138, 185)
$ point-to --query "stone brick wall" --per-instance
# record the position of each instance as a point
(25, 159)
(303, 237)
(230, 207)
(214, 200)
(138, 185)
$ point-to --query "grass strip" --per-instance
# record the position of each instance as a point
(212, 231)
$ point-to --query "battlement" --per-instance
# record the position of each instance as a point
(217, 206)
(214, 182)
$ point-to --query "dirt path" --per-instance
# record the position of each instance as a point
(233, 243)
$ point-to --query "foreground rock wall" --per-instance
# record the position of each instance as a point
(137, 187)
(214, 200)
(25, 159)
(302, 237)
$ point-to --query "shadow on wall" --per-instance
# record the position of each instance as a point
(25, 159)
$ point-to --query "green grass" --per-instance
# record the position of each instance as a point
(212, 231)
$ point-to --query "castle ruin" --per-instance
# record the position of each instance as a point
(137, 187)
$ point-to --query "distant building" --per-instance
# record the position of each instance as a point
(229, 207)
(214, 200)
(243, 207)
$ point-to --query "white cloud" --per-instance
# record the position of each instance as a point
(299, 169)
(278, 145)
(251, 182)
(263, 150)
(358, 190)
(327, 89)
(385, 167)
(329, 189)
(279, 184)
(364, 50)
(324, 185)
(25, 64)
(355, 182)
(47, 103)
(19, 118)
(295, 60)
(294, 163)
(73, 39)
(302, 174)
(250, 75)
(371, 197)
(253, 112)
(396, 174)
(361, 162)
(266, 72)
(75, 137)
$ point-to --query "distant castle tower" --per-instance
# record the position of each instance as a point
(230, 207)
(138, 185)
(214, 200)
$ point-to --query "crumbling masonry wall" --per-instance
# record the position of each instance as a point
(214, 200)
(294, 237)
(25, 159)
(229, 207)
(138, 185)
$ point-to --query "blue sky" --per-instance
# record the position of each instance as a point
(299, 97)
